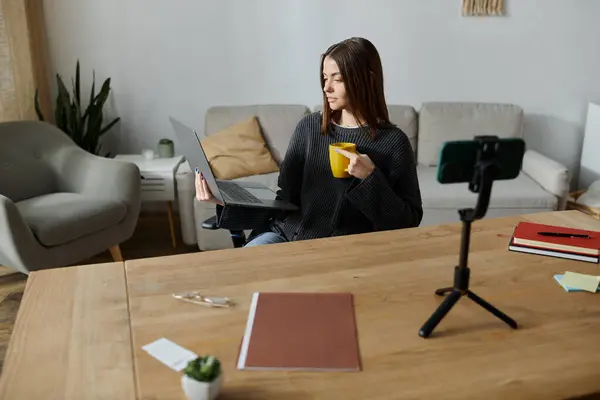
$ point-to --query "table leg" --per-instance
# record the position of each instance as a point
(171, 223)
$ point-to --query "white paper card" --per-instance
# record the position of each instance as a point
(169, 353)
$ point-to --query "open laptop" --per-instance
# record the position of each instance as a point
(246, 194)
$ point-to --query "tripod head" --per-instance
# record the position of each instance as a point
(485, 172)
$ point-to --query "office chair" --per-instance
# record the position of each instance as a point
(237, 220)
(238, 237)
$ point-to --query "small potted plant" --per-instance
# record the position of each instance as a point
(202, 378)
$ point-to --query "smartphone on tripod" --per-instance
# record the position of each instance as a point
(458, 159)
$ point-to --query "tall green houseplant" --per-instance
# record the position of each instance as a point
(83, 126)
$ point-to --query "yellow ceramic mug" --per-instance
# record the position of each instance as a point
(339, 163)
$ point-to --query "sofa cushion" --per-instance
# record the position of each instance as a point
(519, 193)
(239, 150)
(59, 218)
(441, 122)
(277, 122)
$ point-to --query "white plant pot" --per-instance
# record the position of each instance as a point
(195, 390)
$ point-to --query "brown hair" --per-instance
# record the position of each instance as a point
(362, 73)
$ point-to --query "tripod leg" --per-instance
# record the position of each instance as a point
(443, 291)
(438, 314)
(509, 321)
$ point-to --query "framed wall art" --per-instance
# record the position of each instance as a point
(482, 7)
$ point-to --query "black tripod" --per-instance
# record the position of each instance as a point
(486, 169)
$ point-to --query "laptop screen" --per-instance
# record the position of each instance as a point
(191, 148)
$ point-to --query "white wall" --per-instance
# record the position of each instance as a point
(180, 57)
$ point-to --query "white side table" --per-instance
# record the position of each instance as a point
(158, 181)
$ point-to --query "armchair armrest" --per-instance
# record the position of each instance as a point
(551, 175)
(16, 239)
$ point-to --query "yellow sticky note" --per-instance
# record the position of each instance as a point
(581, 281)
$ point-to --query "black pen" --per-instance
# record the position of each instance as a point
(567, 235)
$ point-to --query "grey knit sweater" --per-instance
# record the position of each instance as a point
(389, 198)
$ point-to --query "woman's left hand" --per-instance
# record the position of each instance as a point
(360, 165)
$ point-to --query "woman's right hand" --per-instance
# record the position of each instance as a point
(203, 192)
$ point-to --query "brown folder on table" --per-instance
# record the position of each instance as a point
(300, 331)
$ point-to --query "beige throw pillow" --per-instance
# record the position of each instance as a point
(239, 150)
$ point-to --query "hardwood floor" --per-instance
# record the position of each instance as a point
(152, 238)
(11, 291)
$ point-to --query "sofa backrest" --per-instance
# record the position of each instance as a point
(277, 122)
(427, 129)
(24, 147)
(445, 121)
(405, 117)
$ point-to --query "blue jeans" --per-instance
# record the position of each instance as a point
(266, 238)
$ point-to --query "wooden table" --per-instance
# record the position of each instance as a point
(72, 339)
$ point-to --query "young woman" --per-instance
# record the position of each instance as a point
(383, 190)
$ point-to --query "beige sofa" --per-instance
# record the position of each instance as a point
(542, 186)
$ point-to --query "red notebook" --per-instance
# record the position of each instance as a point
(300, 331)
(526, 233)
(526, 238)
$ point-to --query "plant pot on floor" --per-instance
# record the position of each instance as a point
(202, 378)
(197, 390)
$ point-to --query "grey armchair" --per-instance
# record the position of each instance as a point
(58, 203)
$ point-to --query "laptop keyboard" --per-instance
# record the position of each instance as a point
(233, 192)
